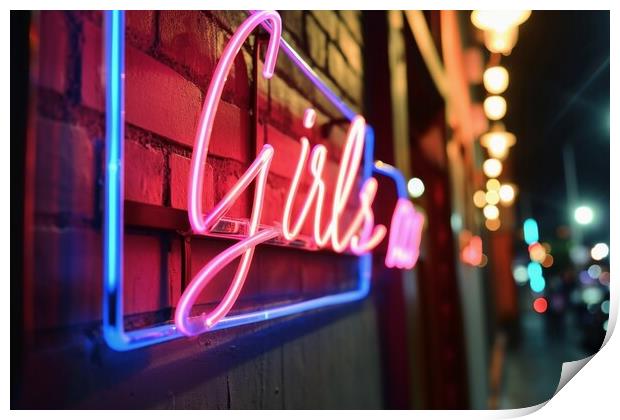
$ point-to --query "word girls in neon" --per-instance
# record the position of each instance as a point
(358, 234)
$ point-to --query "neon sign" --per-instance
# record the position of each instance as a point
(359, 235)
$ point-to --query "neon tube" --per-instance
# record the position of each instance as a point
(359, 236)
(201, 143)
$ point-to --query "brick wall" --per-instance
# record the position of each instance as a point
(170, 57)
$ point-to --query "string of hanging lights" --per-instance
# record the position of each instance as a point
(500, 34)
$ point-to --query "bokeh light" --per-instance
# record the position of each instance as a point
(498, 141)
(537, 284)
(507, 193)
(594, 271)
(492, 168)
(480, 199)
(537, 252)
(592, 295)
(415, 186)
(534, 270)
(495, 79)
(498, 20)
(540, 305)
(491, 212)
(530, 231)
(599, 251)
(604, 278)
(492, 197)
(495, 107)
(605, 307)
(584, 215)
(493, 185)
(579, 254)
(548, 261)
(492, 224)
(520, 274)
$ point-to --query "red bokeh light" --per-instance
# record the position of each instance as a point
(540, 305)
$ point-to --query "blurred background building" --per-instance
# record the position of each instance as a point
(499, 121)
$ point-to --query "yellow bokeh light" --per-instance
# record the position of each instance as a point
(498, 141)
(501, 42)
(495, 79)
(501, 28)
(492, 197)
(492, 168)
(492, 224)
(507, 193)
(491, 212)
(494, 107)
(493, 185)
(480, 199)
(537, 252)
(498, 20)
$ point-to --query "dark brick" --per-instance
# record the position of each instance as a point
(65, 170)
(145, 285)
(189, 39)
(53, 51)
(140, 28)
(67, 276)
(317, 42)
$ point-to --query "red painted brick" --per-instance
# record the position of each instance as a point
(65, 170)
(237, 87)
(144, 173)
(231, 135)
(286, 152)
(156, 98)
(159, 99)
(140, 26)
(189, 38)
(53, 51)
(145, 287)
(226, 175)
(67, 277)
(273, 208)
(179, 178)
(175, 262)
(232, 19)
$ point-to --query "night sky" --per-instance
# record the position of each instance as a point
(558, 95)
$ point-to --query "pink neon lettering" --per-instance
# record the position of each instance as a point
(260, 168)
(360, 236)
